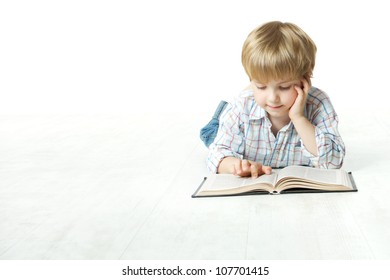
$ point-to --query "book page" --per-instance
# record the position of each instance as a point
(229, 181)
(328, 176)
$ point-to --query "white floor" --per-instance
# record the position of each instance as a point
(119, 187)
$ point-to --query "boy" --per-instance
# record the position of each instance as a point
(279, 119)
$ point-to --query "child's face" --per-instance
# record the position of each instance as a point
(276, 97)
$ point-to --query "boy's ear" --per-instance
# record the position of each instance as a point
(307, 77)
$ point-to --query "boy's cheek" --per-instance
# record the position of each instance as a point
(260, 101)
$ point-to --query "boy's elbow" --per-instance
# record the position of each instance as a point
(334, 159)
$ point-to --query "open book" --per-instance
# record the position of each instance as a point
(291, 179)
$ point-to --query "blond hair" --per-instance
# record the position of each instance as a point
(277, 50)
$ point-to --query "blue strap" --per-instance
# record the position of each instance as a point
(209, 131)
(220, 109)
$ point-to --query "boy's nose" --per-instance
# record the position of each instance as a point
(273, 96)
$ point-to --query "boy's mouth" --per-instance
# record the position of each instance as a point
(274, 107)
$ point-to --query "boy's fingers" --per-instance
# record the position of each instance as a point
(250, 168)
(266, 169)
(255, 170)
(299, 90)
(306, 85)
(246, 165)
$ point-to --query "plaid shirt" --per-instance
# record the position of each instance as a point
(245, 133)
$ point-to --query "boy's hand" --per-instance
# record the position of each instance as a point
(246, 168)
(298, 108)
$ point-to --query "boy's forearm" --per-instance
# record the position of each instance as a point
(306, 131)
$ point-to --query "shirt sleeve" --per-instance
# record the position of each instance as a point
(330, 146)
(229, 141)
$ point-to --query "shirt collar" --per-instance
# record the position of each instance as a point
(256, 112)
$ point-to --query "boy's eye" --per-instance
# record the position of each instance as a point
(285, 88)
(261, 87)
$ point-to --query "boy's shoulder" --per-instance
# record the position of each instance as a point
(318, 101)
(246, 93)
(316, 96)
(245, 105)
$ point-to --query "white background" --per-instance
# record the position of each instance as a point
(80, 56)
(176, 56)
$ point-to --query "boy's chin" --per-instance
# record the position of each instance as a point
(277, 113)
